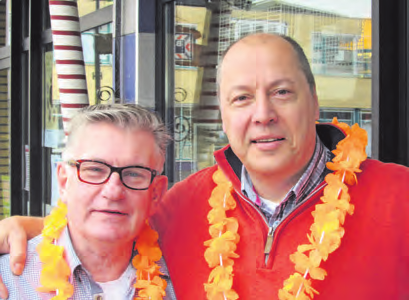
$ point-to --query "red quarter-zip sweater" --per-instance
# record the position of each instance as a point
(371, 263)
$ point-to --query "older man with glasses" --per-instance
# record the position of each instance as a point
(109, 182)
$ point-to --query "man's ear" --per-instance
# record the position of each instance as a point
(159, 188)
(62, 178)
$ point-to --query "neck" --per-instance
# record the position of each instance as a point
(105, 261)
(273, 188)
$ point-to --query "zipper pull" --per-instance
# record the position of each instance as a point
(269, 241)
(270, 237)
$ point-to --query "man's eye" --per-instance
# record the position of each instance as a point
(283, 92)
(132, 174)
(93, 169)
(241, 98)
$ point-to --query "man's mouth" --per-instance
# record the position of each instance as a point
(267, 140)
(113, 212)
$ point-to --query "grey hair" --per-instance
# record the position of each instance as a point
(302, 59)
(126, 116)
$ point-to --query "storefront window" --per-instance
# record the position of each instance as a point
(86, 6)
(97, 45)
(53, 133)
(336, 40)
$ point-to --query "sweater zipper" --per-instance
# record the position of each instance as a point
(252, 205)
(271, 229)
(270, 237)
(270, 232)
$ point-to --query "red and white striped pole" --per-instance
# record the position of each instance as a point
(69, 58)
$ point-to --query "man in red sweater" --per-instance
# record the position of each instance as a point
(276, 163)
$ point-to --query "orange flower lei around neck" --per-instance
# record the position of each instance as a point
(326, 230)
(55, 272)
(221, 247)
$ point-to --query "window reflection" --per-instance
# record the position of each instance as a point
(88, 6)
(97, 50)
(53, 132)
(97, 45)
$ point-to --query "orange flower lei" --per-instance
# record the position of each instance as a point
(149, 283)
(326, 231)
(224, 235)
(329, 216)
(55, 272)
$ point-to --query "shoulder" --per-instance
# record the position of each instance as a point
(27, 281)
(33, 243)
(381, 200)
(194, 185)
(200, 179)
(383, 189)
(191, 188)
(31, 254)
(183, 195)
(378, 165)
(386, 173)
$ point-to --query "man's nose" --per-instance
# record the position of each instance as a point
(264, 110)
(114, 189)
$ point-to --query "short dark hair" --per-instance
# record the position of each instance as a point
(302, 58)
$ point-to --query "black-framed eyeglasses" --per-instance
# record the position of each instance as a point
(97, 172)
